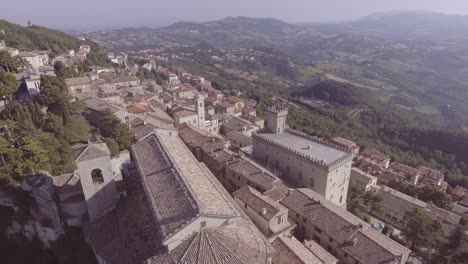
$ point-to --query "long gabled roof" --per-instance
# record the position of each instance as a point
(167, 189)
(171, 202)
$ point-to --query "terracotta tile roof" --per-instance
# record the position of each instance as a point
(184, 113)
(78, 81)
(214, 246)
(263, 205)
(355, 237)
(124, 78)
(83, 152)
(163, 192)
(374, 154)
(430, 174)
(172, 203)
(197, 138)
(400, 203)
(404, 170)
(290, 251)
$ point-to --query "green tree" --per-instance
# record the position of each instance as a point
(455, 249)
(62, 71)
(37, 116)
(113, 146)
(388, 230)
(374, 202)
(9, 63)
(77, 130)
(355, 200)
(111, 127)
(54, 95)
(8, 85)
(421, 231)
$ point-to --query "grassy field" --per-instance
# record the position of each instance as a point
(427, 109)
(309, 73)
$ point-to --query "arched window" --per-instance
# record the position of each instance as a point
(96, 176)
(300, 176)
(276, 164)
(312, 182)
(341, 198)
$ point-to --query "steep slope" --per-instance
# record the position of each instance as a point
(339, 93)
(36, 37)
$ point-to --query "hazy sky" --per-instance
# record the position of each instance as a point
(86, 14)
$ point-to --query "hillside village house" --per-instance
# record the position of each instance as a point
(78, 85)
(375, 157)
(344, 235)
(35, 58)
(268, 215)
(347, 144)
(239, 131)
(195, 118)
(125, 80)
(363, 179)
(396, 204)
(225, 108)
(33, 84)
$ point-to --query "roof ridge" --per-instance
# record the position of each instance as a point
(231, 251)
(211, 247)
(186, 253)
(81, 154)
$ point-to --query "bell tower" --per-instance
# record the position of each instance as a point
(200, 109)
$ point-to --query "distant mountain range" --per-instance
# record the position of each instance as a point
(237, 32)
(416, 60)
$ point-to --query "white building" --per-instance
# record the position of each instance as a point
(33, 84)
(35, 58)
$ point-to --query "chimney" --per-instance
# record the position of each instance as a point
(127, 119)
(264, 211)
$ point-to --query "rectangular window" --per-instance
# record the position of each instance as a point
(203, 224)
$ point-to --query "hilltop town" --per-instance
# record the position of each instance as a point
(209, 176)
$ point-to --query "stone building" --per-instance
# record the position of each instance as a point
(289, 250)
(175, 211)
(269, 216)
(232, 170)
(90, 190)
(363, 179)
(303, 160)
(396, 204)
(344, 235)
(239, 131)
(195, 118)
(376, 157)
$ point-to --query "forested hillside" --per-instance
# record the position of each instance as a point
(354, 113)
(37, 38)
(36, 137)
